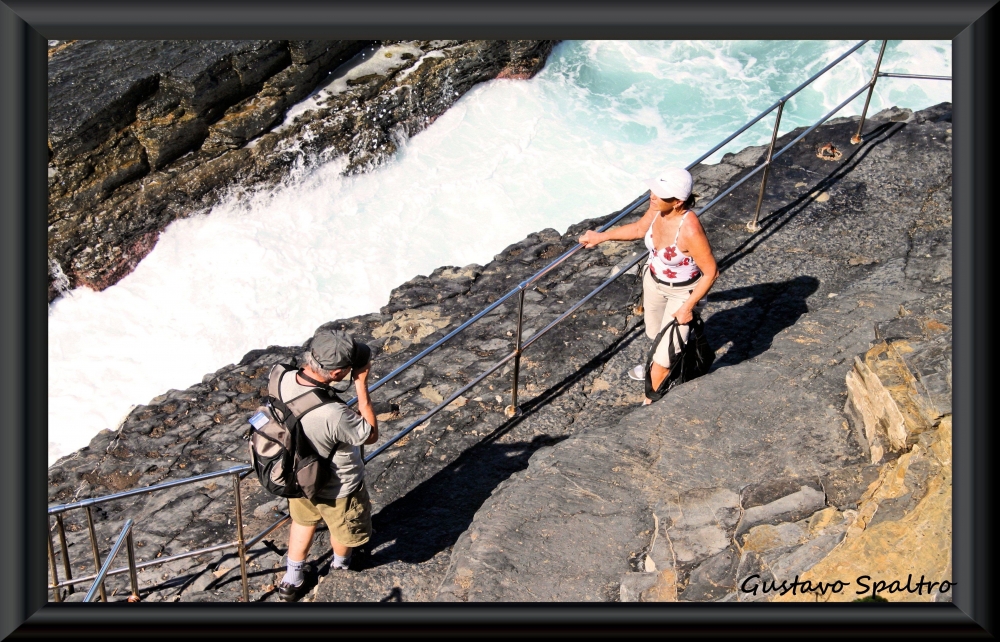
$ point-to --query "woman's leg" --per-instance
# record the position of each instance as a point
(672, 301)
(653, 305)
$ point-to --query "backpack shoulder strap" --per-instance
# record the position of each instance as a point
(274, 380)
(307, 401)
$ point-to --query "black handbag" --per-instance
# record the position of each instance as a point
(694, 358)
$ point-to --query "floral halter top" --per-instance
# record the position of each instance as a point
(670, 264)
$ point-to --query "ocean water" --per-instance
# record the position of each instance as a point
(511, 157)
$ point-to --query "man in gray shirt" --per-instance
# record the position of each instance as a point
(333, 429)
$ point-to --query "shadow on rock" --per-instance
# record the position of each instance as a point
(751, 327)
(430, 517)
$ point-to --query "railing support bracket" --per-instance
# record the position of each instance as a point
(512, 411)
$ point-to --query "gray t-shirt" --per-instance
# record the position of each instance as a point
(330, 426)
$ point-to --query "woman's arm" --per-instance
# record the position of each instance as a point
(698, 248)
(629, 232)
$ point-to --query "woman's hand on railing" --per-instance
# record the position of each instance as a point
(590, 238)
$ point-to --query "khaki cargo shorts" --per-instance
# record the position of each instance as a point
(348, 518)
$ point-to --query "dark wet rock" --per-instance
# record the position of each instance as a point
(144, 132)
(845, 486)
(802, 503)
(714, 578)
(586, 491)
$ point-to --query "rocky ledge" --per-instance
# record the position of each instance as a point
(145, 132)
(819, 438)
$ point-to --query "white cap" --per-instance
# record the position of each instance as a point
(671, 183)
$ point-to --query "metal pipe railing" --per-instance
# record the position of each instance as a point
(780, 101)
(752, 225)
(871, 89)
(238, 472)
(884, 74)
(94, 501)
(485, 311)
(124, 537)
(759, 168)
(97, 554)
(512, 410)
(240, 541)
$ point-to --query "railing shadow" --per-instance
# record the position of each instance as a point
(418, 525)
(772, 223)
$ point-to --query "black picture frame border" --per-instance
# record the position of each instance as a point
(25, 27)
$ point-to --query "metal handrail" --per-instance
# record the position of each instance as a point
(871, 89)
(238, 472)
(883, 74)
(241, 545)
(94, 501)
(124, 537)
(485, 311)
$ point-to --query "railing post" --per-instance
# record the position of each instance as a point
(132, 575)
(240, 541)
(512, 410)
(97, 555)
(871, 88)
(752, 226)
(64, 552)
(55, 570)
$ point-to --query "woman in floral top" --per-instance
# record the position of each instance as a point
(681, 265)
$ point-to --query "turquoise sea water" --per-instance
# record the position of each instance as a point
(510, 158)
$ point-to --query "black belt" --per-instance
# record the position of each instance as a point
(676, 284)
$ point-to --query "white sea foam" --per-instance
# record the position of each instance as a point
(510, 158)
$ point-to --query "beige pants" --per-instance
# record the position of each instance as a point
(659, 302)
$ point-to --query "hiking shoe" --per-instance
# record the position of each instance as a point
(291, 592)
(637, 373)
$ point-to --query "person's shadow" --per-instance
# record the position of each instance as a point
(751, 327)
(430, 518)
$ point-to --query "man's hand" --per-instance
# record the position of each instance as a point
(590, 238)
(361, 374)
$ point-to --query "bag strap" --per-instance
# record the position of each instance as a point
(634, 297)
(274, 389)
(672, 354)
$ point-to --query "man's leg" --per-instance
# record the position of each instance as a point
(339, 549)
(349, 521)
(300, 538)
(341, 554)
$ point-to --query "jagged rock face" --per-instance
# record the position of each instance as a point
(144, 132)
(587, 496)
